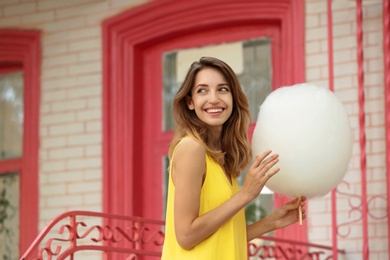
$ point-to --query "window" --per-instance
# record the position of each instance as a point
(11, 132)
(19, 110)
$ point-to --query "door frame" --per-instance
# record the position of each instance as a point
(126, 38)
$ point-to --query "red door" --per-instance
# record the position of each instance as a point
(135, 141)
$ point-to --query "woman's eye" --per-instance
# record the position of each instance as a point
(201, 90)
(224, 89)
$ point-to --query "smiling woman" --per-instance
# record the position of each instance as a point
(205, 206)
(252, 63)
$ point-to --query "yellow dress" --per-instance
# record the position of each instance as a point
(229, 242)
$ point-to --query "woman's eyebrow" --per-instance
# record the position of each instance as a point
(202, 85)
(206, 85)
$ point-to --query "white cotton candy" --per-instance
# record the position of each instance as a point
(309, 128)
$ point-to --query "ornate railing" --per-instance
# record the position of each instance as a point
(134, 238)
(266, 247)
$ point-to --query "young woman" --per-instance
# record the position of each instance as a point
(205, 208)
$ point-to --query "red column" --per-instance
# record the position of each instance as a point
(331, 88)
(362, 139)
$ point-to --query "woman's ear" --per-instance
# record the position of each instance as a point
(190, 105)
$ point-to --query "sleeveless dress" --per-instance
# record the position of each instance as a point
(229, 242)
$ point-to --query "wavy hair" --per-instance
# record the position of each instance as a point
(236, 152)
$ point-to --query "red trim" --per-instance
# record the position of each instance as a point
(331, 88)
(23, 47)
(10, 165)
(126, 40)
(362, 134)
(8, 67)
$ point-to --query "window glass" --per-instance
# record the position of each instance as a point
(256, 76)
(170, 86)
(165, 173)
(9, 215)
(11, 115)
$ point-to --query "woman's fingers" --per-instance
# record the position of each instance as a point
(271, 173)
(261, 170)
(262, 160)
(294, 204)
(270, 159)
(268, 169)
(262, 164)
(262, 156)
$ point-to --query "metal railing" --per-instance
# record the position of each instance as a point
(134, 238)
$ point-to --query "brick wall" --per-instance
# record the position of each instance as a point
(71, 97)
(71, 89)
(346, 88)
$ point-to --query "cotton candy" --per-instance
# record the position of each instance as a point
(308, 127)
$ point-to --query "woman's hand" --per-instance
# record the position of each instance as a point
(288, 213)
(259, 173)
(282, 217)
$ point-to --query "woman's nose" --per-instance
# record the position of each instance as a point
(214, 97)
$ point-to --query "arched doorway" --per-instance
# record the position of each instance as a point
(134, 43)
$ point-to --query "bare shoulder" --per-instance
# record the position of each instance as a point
(189, 161)
(190, 146)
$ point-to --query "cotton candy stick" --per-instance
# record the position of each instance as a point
(300, 215)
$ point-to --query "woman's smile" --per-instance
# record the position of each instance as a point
(214, 111)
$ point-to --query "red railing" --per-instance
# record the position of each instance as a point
(134, 238)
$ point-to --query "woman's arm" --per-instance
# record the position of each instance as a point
(188, 169)
(282, 217)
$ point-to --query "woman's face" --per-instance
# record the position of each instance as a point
(211, 98)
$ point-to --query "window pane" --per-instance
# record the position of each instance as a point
(171, 86)
(9, 216)
(165, 173)
(251, 60)
(11, 115)
(259, 208)
(256, 77)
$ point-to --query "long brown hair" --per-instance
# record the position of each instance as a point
(236, 151)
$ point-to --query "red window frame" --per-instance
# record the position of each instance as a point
(127, 42)
(20, 49)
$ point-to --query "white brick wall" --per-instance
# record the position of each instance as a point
(346, 88)
(71, 89)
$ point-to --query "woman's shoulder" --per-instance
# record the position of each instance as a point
(189, 159)
(190, 145)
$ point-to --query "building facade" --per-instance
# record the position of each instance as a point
(96, 77)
